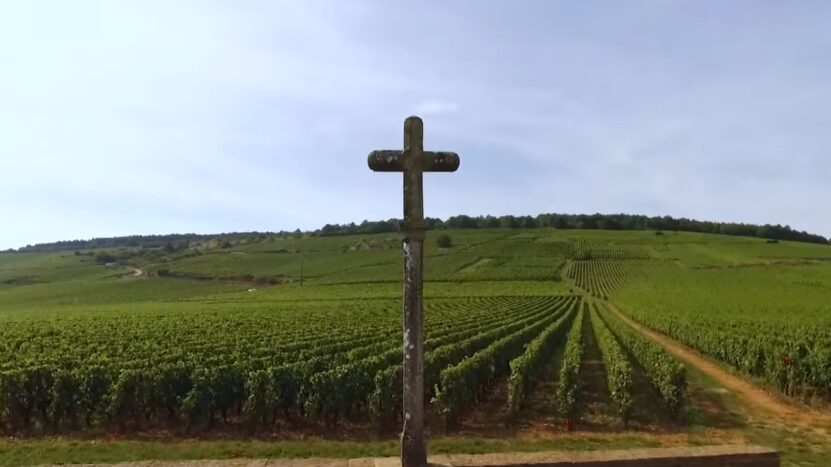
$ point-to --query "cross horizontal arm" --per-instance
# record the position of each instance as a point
(393, 161)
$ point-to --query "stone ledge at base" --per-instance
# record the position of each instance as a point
(699, 456)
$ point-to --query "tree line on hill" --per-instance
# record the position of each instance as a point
(167, 242)
(585, 221)
(557, 221)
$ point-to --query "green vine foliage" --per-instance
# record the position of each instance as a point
(568, 384)
(667, 374)
(618, 369)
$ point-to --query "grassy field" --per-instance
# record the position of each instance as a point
(291, 347)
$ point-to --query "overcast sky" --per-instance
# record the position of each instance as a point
(143, 117)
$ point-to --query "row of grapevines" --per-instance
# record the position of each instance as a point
(618, 369)
(601, 278)
(598, 249)
(568, 384)
(526, 369)
(285, 332)
(792, 362)
(340, 392)
(463, 384)
(385, 403)
(667, 374)
(345, 389)
(150, 368)
(436, 361)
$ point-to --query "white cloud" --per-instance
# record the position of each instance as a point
(436, 107)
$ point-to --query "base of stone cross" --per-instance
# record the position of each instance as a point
(698, 456)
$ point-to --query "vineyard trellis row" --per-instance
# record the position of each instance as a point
(667, 374)
(618, 369)
(526, 369)
(569, 382)
(600, 278)
(795, 362)
(213, 374)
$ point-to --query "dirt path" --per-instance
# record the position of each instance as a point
(475, 265)
(791, 413)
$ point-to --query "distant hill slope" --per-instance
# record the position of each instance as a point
(476, 255)
(552, 220)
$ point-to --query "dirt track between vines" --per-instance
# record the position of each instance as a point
(790, 413)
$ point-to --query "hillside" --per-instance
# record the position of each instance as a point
(550, 220)
(300, 335)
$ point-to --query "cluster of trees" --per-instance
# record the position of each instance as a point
(170, 243)
(558, 221)
(104, 257)
(584, 221)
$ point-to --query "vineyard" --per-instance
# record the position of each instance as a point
(746, 317)
(600, 278)
(199, 342)
(267, 364)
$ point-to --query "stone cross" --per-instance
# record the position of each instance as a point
(413, 161)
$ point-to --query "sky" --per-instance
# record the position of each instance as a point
(152, 117)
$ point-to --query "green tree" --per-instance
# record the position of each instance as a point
(444, 241)
(103, 257)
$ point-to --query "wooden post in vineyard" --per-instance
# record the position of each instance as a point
(413, 161)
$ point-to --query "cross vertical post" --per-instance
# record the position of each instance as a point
(413, 161)
(413, 450)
